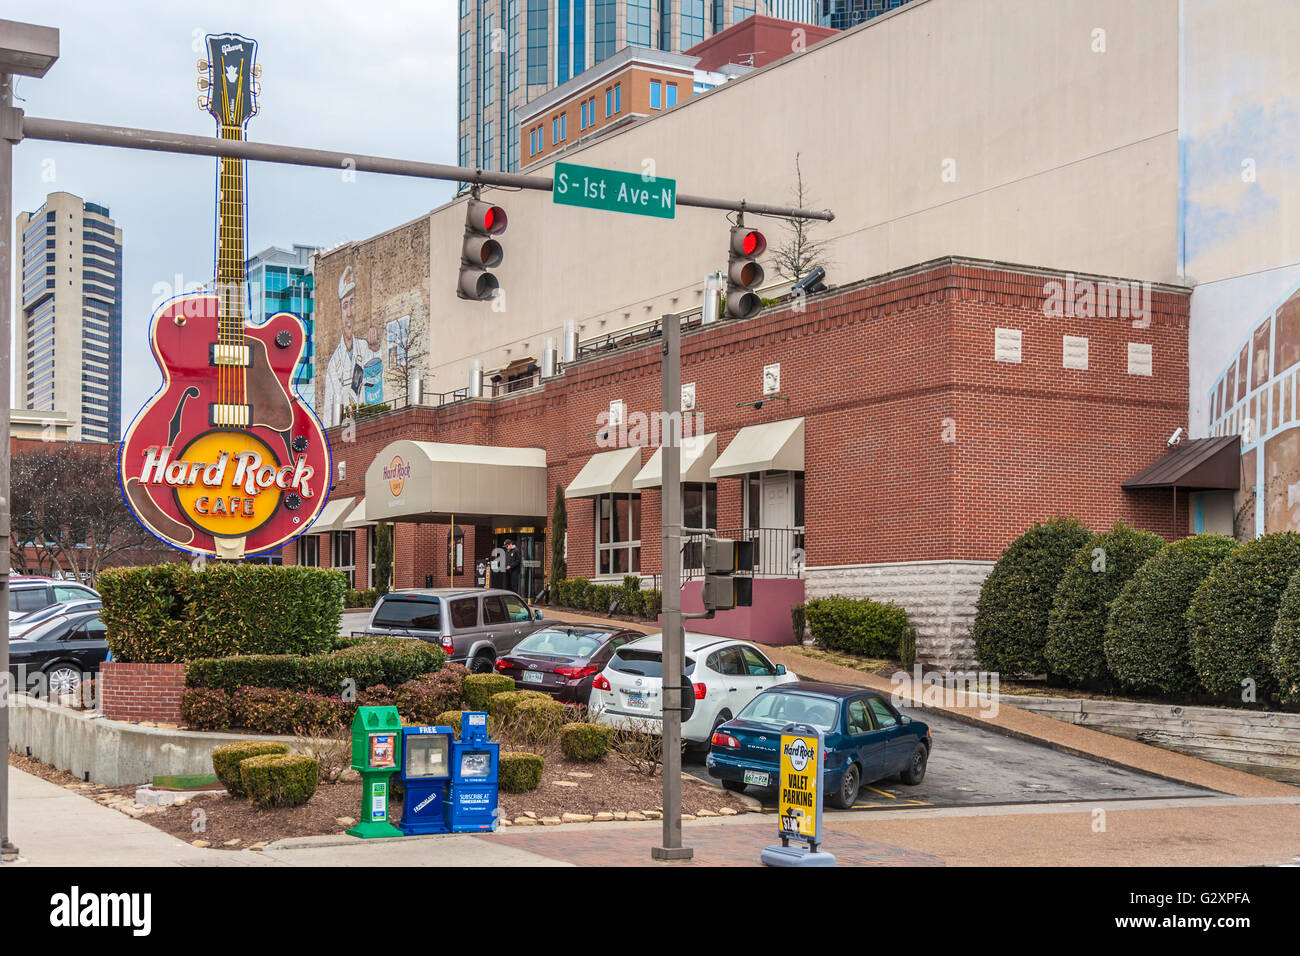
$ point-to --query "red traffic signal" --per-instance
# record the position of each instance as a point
(744, 273)
(479, 251)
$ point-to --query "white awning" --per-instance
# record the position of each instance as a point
(698, 455)
(606, 472)
(331, 515)
(775, 446)
(435, 481)
(357, 517)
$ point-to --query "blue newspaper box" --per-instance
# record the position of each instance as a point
(472, 796)
(425, 773)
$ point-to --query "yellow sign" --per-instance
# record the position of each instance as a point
(798, 803)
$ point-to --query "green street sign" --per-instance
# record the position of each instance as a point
(614, 191)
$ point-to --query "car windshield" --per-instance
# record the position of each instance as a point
(52, 628)
(422, 614)
(567, 643)
(779, 709)
(644, 663)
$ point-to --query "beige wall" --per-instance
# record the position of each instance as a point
(1064, 157)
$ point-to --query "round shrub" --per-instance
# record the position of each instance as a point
(205, 709)
(536, 721)
(502, 706)
(479, 689)
(1094, 576)
(1010, 627)
(279, 780)
(1285, 644)
(1146, 639)
(856, 626)
(519, 772)
(1232, 613)
(585, 741)
(226, 760)
(421, 699)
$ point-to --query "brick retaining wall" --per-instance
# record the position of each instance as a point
(142, 691)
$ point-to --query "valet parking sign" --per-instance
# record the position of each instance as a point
(799, 793)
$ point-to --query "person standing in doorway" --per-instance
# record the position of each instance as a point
(513, 565)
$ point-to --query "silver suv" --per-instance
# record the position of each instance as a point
(473, 625)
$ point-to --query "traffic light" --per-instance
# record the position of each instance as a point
(723, 557)
(480, 252)
(744, 274)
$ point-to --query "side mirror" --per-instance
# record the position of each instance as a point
(904, 719)
(537, 614)
(780, 670)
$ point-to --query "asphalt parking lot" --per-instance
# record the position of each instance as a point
(971, 766)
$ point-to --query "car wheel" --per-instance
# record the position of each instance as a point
(915, 771)
(735, 786)
(850, 784)
(63, 679)
(482, 664)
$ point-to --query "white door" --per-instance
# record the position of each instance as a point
(777, 506)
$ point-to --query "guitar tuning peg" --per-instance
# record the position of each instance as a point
(203, 83)
(203, 66)
(257, 88)
(257, 71)
(203, 103)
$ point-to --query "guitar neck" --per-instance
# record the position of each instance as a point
(230, 273)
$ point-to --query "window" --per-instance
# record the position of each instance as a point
(756, 665)
(880, 710)
(656, 94)
(464, 613)
(609, 102)
(692, 22)
(516, 610)
(618, 533)
(537, 25)
(665, 24)
(726, 661)
(415, 613)
(309, 551)
(28, 599)
(555, 130)
(564, 126)
(584, 115)
(859, 721)
(638, 22)
(343, 557)
(618, 97)
(606, 19)
(71, 592)
(494, 610)
(672, 94)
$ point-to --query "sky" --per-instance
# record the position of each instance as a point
(376, 78)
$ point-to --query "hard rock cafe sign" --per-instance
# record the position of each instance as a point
(395, 473)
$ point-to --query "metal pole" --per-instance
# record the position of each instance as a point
(674, 640)
(10, 119)
(93, 134)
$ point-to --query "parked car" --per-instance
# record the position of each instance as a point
(33, 619)
(866, 739)
(28, 593)
(474, 626)
(726, 674)
(563, 660)
(62, 650)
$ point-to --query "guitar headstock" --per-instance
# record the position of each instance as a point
(229, 78)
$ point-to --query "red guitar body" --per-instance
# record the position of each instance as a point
(225, 460)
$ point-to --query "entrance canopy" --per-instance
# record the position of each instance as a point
(432, 481)
(774, 446)
(330, 517)
(606, 472)
(356, 518)
(1206, 463)
(698, 454)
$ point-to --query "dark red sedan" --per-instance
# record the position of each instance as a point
(563, 661)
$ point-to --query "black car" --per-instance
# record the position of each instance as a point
(52, 659)
(563, 661)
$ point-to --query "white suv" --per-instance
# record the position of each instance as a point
(726, 674)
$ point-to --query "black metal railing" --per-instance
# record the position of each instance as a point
(778, 552)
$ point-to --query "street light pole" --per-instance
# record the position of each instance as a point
(674, 639)
(10, 130)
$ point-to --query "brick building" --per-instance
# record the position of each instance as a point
(910, 426)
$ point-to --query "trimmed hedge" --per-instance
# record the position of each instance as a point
(172, 612)
(1011, 616)
(205, 708)
(279, 780)
(857, 625)
(1146, 644)
(519, 772)
(1285, 644)
(479, 689)
(421, 699)
(363, 598)
(390, 661)
(1093, 578)
(502, 706)
(584, 595)
(585, 742)
(537, 720)
(1233, 612)
(226, 760)
(273, 710)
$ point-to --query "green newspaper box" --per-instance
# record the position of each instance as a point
(376, 755)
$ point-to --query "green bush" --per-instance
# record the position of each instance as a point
(173, 612)
(226, 760)
(205, 709)
(856, 626)
(798, 620)
(1146, 644)
(1285, 644)
(362, 598)
(273, 710)
(519, 772)
(1232, 613)
(581, 594)
(585, 741)
(423, 698)
(502, 706)
(390, 661)
(279, 780)
(452, 719)
(536, 721)
(1093, 578)
(479, 689)
(1011, 615)
(907, 648)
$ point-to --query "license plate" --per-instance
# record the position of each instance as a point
(756, 778)
(637, 700)
(532, 677)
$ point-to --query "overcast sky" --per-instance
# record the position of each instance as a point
(375, 77)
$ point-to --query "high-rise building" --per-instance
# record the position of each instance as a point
(69, 339)
(842, 14)
(281, 280)
(513, 51)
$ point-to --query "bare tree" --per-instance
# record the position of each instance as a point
(799, 252)
(407, 348)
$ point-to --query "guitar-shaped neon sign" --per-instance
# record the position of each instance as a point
(226, 460)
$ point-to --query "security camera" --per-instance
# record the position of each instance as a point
(1176, 437)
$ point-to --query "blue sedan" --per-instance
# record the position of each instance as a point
(866, 739)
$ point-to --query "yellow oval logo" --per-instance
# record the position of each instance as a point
(396, 473)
